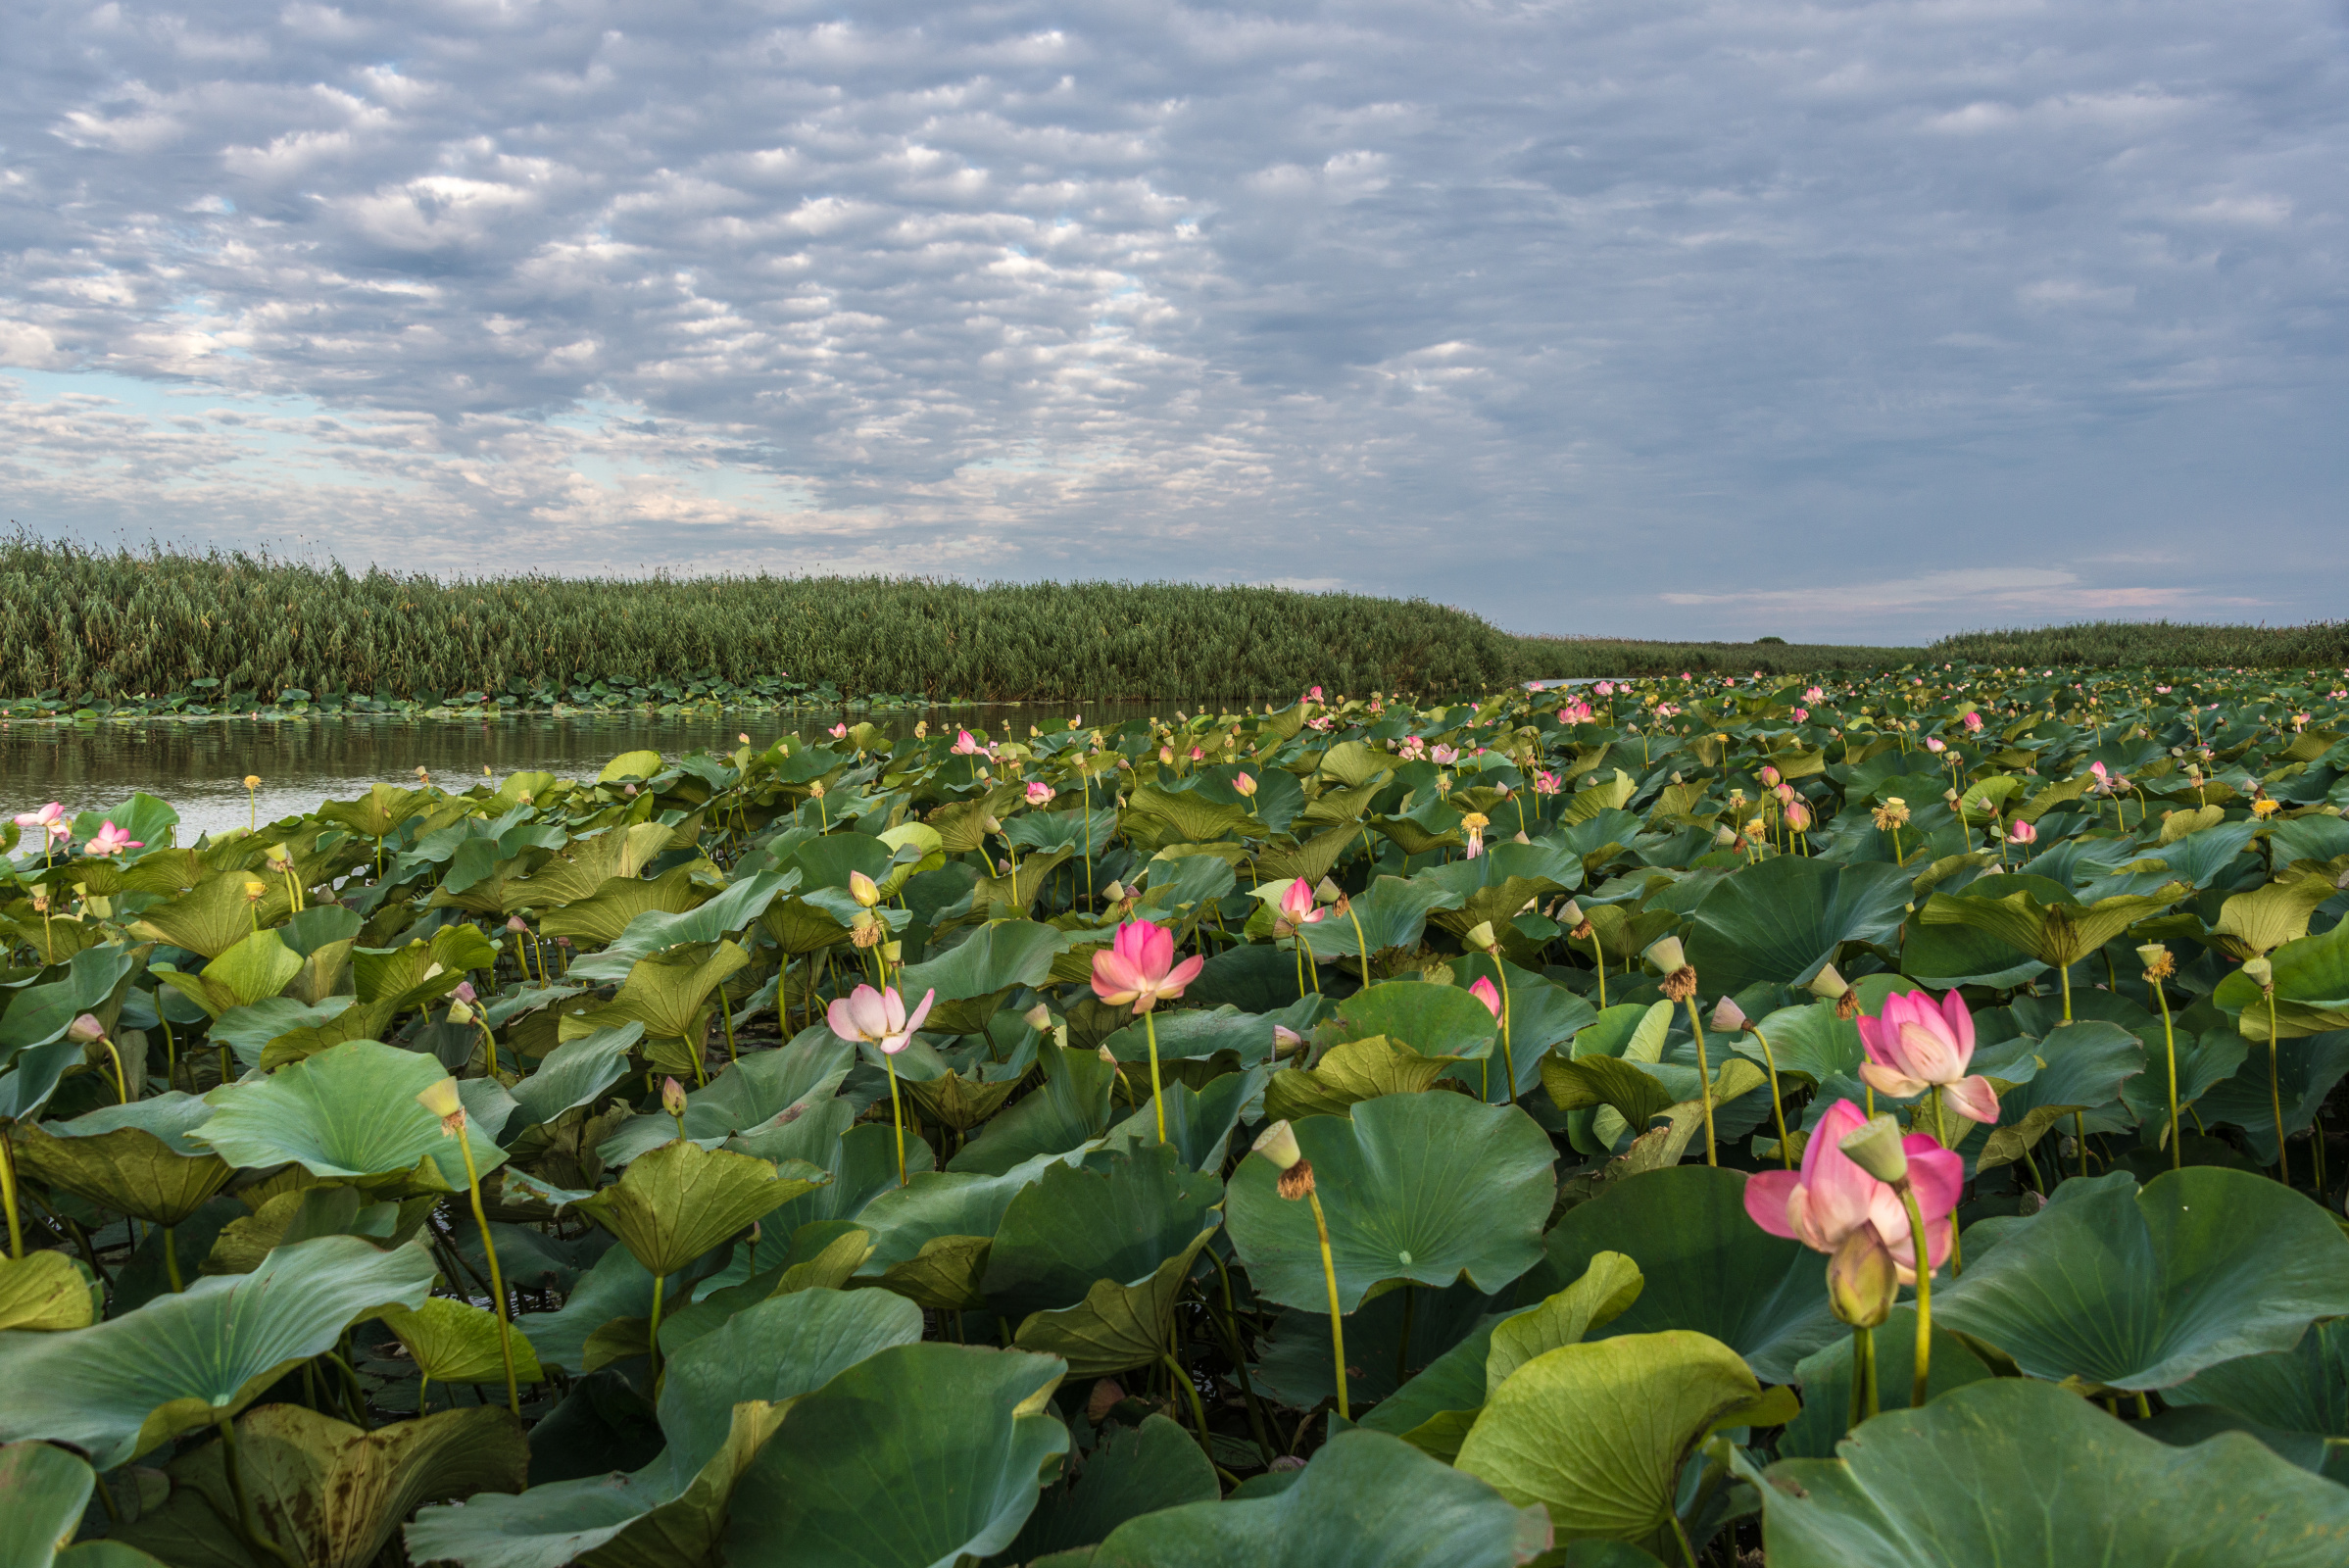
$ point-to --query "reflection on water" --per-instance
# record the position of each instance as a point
(200, 767)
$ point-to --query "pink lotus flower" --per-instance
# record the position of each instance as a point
(1814, 695)
(1605, 687)
(110, 840)
(1934, 743)
(1973, 724)
(1243, 783)
(1040, 792)
(1546, 783)
(2021, 833)
(1799, 817)
(1445, 755)
(838, 733)
(1297, 903)
(964, 745)
(47, 819)
(1801, 715)
(877, 1017)
(1914, 1046)
(1139, 967)
(1769, 776)
(1484, 993)
(1314, 694)
(1831, 1196)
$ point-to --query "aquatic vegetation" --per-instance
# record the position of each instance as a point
(1489, 1132)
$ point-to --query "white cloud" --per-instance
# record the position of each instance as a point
(1571, 313)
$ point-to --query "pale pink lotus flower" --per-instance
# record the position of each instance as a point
(1814, 694)
(1297, 903)
(1831, 1196)
(47, 819)
(1934, 743)
(1484, 990)
(1769, 776)
(1321, 721)
(1139, 967)
(878, 1017)
(1799, 817)
(1039, 793)
(838, 733)
(1243, 783)
(110, 840)
(1801, 715)
(965, 743)
(1605, 687)
(1445, 755)
(1914, 1046)
(2021, 833)
(1546, 783)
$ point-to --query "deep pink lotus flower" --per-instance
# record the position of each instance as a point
(965, 743)
(1546, 783)
(1974, 722)
(1040, 792)
(1297, 903)
(1914, 1045)
(838, 733)
(1139, 967)
(1484, 993)
(878, 1017)
(2020, 832)
(1831, 1196)
(1803, 716)
(110, 840)
(1314, 695)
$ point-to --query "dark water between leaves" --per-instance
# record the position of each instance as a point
(200, 765)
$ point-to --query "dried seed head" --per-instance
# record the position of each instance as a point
(1297, 1182)
(1680, 985)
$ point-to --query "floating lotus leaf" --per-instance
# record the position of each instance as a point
(122, 1386)
(38, 1015)
(1119, 1325)
(135, 1159)
(656, 931)
(965, 1435)
(43, 1494)
(575, 1073)
(1366, 1500)
(2130, 1288)
(2019, 1473)
(325, 1490)
(931, 1236)
(1392, 914)
(1427, 1188)
(680, 1201)
(1198, 1122)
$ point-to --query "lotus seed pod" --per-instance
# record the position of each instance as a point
(1729, 1016)
(1666, 955)
(440, 1098)
(1278, 1144)
(1876, 1149)
(1827, 984)
(1480, 936)
(2261, 972)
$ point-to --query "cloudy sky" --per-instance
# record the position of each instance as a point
(1648, 317)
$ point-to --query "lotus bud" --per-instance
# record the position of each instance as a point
(672, 1097)
(990, 824)
(466, 992)
(2261, 972)
(1286, 1039)
(515, 923)
(1480, 936)
(85, 1030)
(1667, 955)
(1827, 985)
(1729, 1017)
(1863, 1279)
(1039, 1018)
(863, 889)
(1245, 785)
(1874, 1147)
(743, 739)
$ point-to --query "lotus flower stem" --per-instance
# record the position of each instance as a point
(8, 1194)
(497, 1280)
(248, 1529)
(896, 1113)
(1361, 943)
(171, 1259)
(1150, 1031)
(1329, 1273)
(1598, 956)
(726, 1016)
(1778, 1110)
(1921, 1249)
(1688, 1549)
(2283, 1158)
(2169, 1042)
(1863, 1374)
(653, 1331)
(1705, 1078)
(1198, 1413)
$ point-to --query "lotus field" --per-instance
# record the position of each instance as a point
(1691, 1121)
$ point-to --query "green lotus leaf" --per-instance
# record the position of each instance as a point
(2015, 1472)
(39, 1014)
(135, 1159)
(1134, 1471)
(43, 1491)
(930, 1236)
(349, 1111)
(208, 919)
(957, 1101)
(2084, 1069)
(681, 1200)
(821, 1257)
(44, 1292)
(861, 1160)
(1198, 1122)
(2055, 930)
(1070, 1110)
(655, 931)
(1428, 1188)
(604, 919)
(1190, 816)
(763, 1091)
(1195, 1033)
(1116, 1217)
(457, 1342)
(2312, 989)
(1348, 1074)
(1367, 1500)
(329, 1492)
(181, 1362)
(1708, 1267)
(1119, 1325)
(1784, 917)
(966, 1443)
(1825, 1378)
(1597, 1431)
(973, 978)
(2205, 1060)
(670, 991)
(2305, 1389)
(573, 1074)
(1432, 1020)
(2304, 1070)
(2130, 1289)
(1392, 914)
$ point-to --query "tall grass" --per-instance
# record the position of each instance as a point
(118, 623)
(1566, 658)
(2154, 642)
